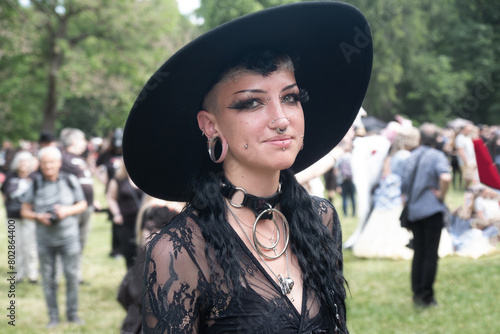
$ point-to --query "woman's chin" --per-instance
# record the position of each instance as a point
(284, 163)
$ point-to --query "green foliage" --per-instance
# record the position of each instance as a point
(433, 61)
(430, 58)
(99, 53)
(216, 12)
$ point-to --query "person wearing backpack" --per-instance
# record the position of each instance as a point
(54, 201)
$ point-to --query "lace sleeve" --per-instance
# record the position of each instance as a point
(171, 300)
(330, 219)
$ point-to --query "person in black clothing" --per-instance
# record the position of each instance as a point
(151, 218)
(110, 160)
(252, 250)
(124, 199)
(331, 184)
(7, 153)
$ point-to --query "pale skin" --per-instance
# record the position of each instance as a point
(246, 107)
(50, 166)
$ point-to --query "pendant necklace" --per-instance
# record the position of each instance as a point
(286, 284)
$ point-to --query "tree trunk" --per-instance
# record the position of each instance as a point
(50, 110)
(56, 56)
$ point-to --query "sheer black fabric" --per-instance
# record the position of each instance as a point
(185, 293)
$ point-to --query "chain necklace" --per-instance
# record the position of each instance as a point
(286, 284)
(274, 244)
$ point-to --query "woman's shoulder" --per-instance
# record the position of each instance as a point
(186, 219)
(322, 205)
(325, 209)
(182, 230)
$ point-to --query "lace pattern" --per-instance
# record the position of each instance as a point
(184, 294)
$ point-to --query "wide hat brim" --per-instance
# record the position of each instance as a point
(162, 144)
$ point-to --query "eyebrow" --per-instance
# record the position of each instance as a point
(262, 91)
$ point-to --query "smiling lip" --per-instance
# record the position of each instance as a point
(280, 141)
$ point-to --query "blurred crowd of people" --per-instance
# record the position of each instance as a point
(48, 190)
(397, 176)
(366, 169)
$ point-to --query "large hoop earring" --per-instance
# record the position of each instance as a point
(211, 148)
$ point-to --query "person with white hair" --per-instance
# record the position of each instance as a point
(16, 184)
(54, 201)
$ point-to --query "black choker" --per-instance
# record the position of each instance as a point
(254, 203)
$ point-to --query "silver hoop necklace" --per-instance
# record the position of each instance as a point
(286, 284)
(263, 208)
(274, 244)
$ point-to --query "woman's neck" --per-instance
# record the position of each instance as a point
(257, 184)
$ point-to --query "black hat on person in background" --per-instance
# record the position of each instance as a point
(46, 137)
(162, 144)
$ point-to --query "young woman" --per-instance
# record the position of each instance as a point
(252, 251)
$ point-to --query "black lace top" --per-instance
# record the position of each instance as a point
(185, 294)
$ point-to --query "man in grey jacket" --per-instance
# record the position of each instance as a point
(54, 201)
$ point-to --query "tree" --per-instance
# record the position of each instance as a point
(20, 74)
(82, 63)
(216, 12)
(87, 57)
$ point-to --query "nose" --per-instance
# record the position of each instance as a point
(278, 118)
(281, 122)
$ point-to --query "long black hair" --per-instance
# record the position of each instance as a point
(319, 257)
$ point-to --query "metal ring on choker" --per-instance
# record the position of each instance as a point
(244, 194)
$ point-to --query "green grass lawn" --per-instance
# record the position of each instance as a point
(379, 301)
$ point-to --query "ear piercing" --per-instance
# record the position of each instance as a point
(246, 146)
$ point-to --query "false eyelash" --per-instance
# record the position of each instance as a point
(244, 104)
(303, 95)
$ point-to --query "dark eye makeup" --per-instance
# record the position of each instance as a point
(245, 104)
(251, 103)
(302, 97)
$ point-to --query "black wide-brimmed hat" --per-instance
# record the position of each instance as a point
(162, 144)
